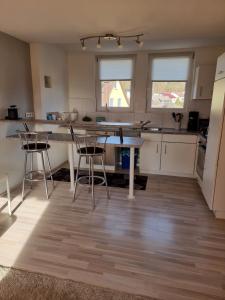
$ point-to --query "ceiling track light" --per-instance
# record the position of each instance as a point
(111, 37)
(99, 43)
(83, 44)
(119, 43)
(139, 43)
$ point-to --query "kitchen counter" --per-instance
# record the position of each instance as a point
(170, 131)
(106, 126)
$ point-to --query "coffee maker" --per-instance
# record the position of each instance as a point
(12, 113)
(193, 121)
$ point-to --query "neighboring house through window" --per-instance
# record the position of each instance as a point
(115, 78)
(169, 83)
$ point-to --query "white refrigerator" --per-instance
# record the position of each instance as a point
(213, 186)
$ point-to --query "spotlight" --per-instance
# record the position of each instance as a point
(119, 43)
(83, 45)
(139, 43)
(99, 43)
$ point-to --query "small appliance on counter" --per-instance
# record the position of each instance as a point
(193, 121)
(29, 115)
(12, 113)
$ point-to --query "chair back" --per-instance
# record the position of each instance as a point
(85, 141)
(26, 127)
(31, 140)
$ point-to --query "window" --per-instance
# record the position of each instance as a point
(169, 84)
(115, 83)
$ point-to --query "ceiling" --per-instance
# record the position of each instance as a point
(55, 21)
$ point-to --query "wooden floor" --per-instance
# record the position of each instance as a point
(164, 244)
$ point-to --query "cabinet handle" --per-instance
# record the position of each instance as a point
(165, 150)
(200, 91)
(157, 148)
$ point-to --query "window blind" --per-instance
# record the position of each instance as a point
(115, 69)
(170, 68)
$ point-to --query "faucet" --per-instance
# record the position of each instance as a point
(145, 123)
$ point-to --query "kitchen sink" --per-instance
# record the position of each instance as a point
(152, 129)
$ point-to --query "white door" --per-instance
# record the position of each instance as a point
(219, 199)
(213, 141)
(178, 158)
(150, 157)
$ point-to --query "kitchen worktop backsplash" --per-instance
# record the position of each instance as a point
(163, 119)
(158, 119)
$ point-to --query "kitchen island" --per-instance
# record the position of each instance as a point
(128, 142)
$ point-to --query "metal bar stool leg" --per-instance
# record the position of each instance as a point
(24, 177)
(31, 169)
(8, 195)
(44, 174)
(77, 173)
(49, 167)
(92, 183)
(105, 178)
(89, 175)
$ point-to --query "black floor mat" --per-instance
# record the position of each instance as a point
(113, 179)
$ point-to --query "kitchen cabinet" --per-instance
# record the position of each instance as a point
(203, 82)
(178, 154)
(178, 158)
(150, 153)
(168, 154)
(220, 67)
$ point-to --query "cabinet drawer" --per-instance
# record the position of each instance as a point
(180, 138)
(152, 137)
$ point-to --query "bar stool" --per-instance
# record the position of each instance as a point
(4, 177)
(87, 147)
(35, 143)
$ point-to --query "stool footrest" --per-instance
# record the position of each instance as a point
(102, 180)
(34, 175)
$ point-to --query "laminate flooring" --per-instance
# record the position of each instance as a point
(165, 243)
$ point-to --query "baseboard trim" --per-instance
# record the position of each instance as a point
(219, 214)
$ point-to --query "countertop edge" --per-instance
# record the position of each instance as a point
(99, 127)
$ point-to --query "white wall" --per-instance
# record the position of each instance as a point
(82, 79)
(15, 88)
(50, 60)
(15, 75)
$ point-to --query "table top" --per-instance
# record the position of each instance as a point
(111, 140)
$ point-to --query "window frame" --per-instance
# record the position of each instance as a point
(99, 107)
(188, 85)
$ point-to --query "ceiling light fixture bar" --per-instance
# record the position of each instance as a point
(111, 37)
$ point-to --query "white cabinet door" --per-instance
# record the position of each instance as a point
(220, 68)
(203, 82)
(150, 153)
(150, 157)
(213, 141)
(178, 158)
